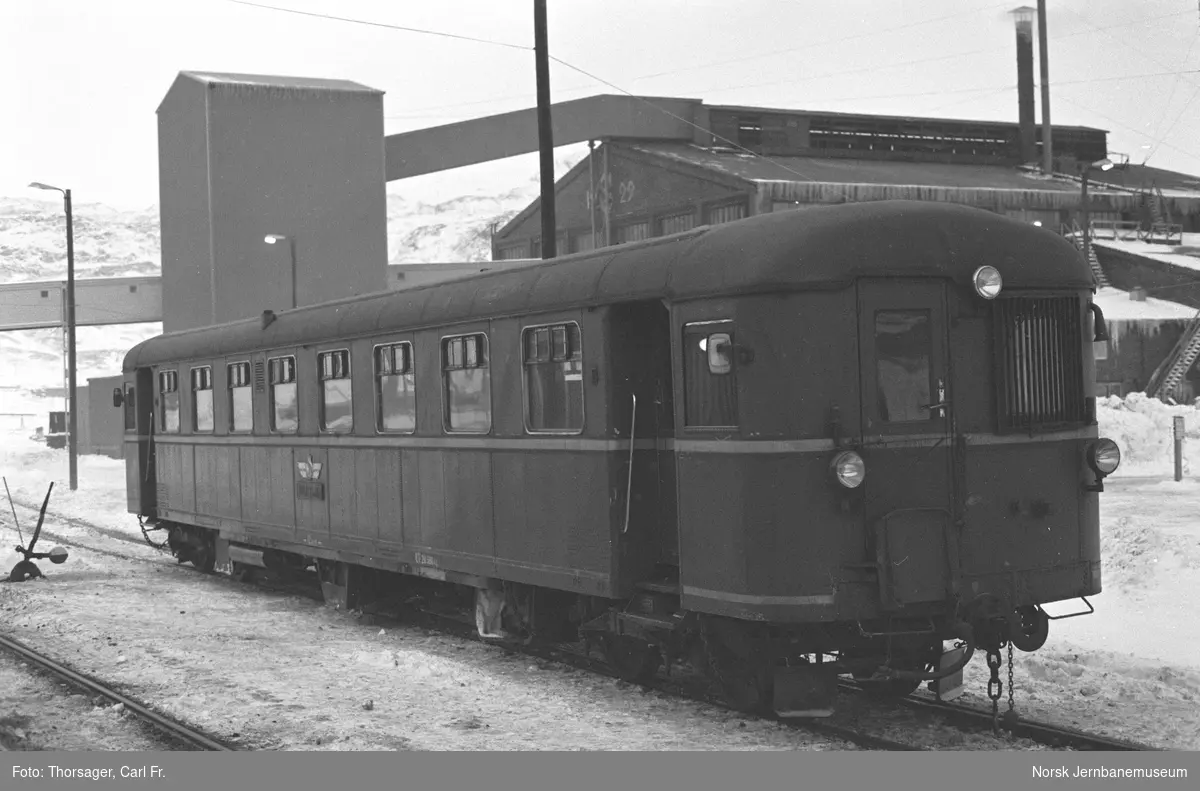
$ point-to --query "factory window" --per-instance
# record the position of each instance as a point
(710, 380)
(749, 131)
(726, 213)
(582, 241)
(553, 379)
(677, 223)
(467, 384)
(395, 389)
(130, 402)
(512, 252)
(284, 410)
(202, 399)
(336, 392)
(168, 402)
(241, 398)
(633, 232)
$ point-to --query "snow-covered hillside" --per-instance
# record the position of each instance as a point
(437, 218)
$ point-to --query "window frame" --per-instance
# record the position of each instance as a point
(375, 388)
(160, 397)
(229, 388)
(192, 389)
(525, 377)
(444, 382)
(271, 428)
(688, 329)
(321, 380)
(129, 407)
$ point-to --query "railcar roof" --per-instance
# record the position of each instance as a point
(790, 250)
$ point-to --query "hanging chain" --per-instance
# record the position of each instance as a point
(1010, 717)
(995, 687)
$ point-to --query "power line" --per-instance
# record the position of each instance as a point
(1068, 100)
(383, 25)
(933, 59)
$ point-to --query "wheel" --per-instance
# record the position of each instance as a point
(910, 656)
(1035, 628)
(204, 558)
(635, 661)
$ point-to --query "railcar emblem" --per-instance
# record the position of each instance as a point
(309, 470)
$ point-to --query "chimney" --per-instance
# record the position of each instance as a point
(1025, 93)
(1138, 294)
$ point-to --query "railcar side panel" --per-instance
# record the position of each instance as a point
(217, 480)
(431, 530)
(267, 491)
(176, 476)
(352, 487)
(409, 499)
(389, 499)
(312, 510)
(467, 489)
(552, 516)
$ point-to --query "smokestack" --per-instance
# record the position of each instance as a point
(1025, 92)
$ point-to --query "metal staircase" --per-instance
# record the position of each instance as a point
(1075, 234)
(1162, 229)
(1171, 371)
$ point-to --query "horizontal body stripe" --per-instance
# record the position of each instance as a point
(743, 598)
(686, 445)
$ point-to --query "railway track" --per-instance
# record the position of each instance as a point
(961, 716)
(174, 730)
(1040, 732)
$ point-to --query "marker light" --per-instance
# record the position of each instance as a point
(849, 469)
(1104, 456)
(987, 282)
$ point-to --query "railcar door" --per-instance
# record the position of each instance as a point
(907, 419)
(142, 395)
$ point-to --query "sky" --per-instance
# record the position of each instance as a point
(86, 76)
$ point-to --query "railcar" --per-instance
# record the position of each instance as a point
(784, 449)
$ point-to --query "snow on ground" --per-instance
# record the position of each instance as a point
(1132, 669)
(1167, 253)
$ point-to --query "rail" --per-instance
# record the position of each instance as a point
(172, 728)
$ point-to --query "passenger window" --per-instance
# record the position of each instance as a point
(337, 414)
(903, 350)
(710, 380)
(284, 414)
(130, 408)
(202, 400)
(467, 384)
(168, 402)
(241, 399)
(395, 389)
(553, 378)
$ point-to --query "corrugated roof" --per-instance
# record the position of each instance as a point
(737, 108)
(272, 81)
(781, 251)
(836, 170)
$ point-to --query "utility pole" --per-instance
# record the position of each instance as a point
(69, 320)
(1043, 47)
(545, 136)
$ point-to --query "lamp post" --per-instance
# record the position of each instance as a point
(69, 319)
(1086, 222)
(274, 238)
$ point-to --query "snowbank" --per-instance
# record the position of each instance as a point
(1142, 428)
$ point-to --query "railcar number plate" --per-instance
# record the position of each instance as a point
(310, 490)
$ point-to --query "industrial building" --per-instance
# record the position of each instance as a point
(741, 161)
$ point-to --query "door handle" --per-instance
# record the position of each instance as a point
(942, 401)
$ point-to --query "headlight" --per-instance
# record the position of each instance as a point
(988, 282)
(1104, 456)
(849, 469)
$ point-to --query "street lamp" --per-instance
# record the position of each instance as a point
(72, 411)
(274, 238)
(1084, 171)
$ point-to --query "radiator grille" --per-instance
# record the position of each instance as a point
(1039, 362)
